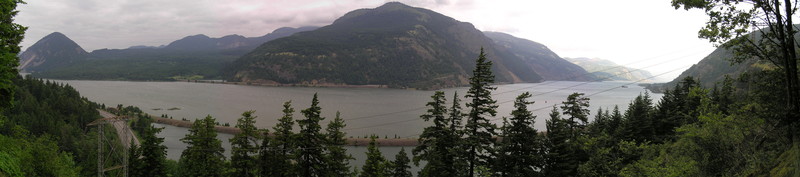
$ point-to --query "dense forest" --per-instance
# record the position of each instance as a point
(739, 127)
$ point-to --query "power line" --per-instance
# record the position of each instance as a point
(543, 84)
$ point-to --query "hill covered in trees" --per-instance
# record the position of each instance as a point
(192, 57)
(399, 46)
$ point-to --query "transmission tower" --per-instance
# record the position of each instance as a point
(101, 140)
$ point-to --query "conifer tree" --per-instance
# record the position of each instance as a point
(431, 146)
(575, 109)
(478, 131)
(400, 164)
(337, 161)
(154, 153)
(276, 152)
(376, 164)
(244, 146)
(310, 154)
(560, 151)
(203, 155)
(12, 34)
(638, 125)
(454, 158)
(134, 161)
(519, 151)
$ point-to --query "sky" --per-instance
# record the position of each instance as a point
(645, 34)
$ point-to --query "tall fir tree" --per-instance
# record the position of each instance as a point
(135, 161)
(244, 146)
(520, 152)
(400, 165)
(559, 159)
(479, 132)
(432, 147)
(203, 155)
(154, 153)
(575, 108)
(276, 152)
(454, 159)
(338, 160)
(310, 145)
(638, 124)
(376, 164)
(12, 34)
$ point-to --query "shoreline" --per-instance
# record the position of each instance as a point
(233, 131)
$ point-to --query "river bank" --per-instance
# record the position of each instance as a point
(234, 130)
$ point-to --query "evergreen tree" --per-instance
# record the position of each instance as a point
(560, 160)
(575, 109)
(400, 164)
(276, 152)
(454, 159)
(203, 155)
(244, 146)
(310, 154)
(376, 164)
(134, 161)
(154, 153)
(431, 146)
(478, 131)
(638, 124)
(519, 151)
(12, 35)
(337, 160)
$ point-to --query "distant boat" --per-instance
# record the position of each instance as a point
(624, 86)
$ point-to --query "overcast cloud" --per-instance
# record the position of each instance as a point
(634, 32)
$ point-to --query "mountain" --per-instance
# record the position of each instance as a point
(394, 44)
(192, 57)
(715, 66)
(544, 62)
(51, 51)
(608, 70)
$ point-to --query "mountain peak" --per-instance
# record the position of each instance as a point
(50, 50)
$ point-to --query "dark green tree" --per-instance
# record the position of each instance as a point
(432, 146)
(376, 164)
(154, 153)
(638, 124)
(276, 152)
(560, 159)
(310, 145)
(400, 165)
(576, 109)
(11, 35)
(520, 152)
(479, 132)
(203, 155)
(244, 146)
(733, 26)
(337, 161)
(134, 161)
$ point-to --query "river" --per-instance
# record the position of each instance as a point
(366, 111)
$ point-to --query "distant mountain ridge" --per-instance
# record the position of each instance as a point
(395, 45)
(51, 51)
(610, 71)
(198, 56)
(542, 60)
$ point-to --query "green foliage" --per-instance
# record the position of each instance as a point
(479, 132)
(376, 165)
(244, 146)
(337, 160)
(400, 165)
(11, 35)
(310, 143)
(562, 148)
(34, 157)
(203, 155)
(520, 152)
(276, 152)
(438, 142)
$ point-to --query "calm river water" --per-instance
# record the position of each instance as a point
(384, 112)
